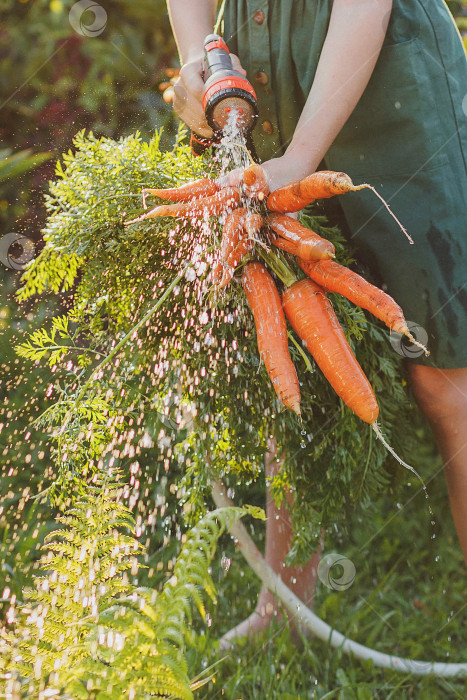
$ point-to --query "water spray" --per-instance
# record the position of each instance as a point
(225, 91)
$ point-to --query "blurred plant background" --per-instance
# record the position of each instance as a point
(56, 81)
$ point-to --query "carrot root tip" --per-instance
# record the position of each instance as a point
(380, 436)
(296, 409)
(365, 185)
(416, 342)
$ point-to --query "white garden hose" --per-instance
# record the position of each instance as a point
(308, 618)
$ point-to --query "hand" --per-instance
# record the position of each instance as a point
(188, 93)
(279, 171)
(285, 169)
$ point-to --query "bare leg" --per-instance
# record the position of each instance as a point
(442, 396)
(301, 580)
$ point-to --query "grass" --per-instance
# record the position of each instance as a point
(408, 599)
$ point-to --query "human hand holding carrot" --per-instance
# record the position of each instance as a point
(276, 173)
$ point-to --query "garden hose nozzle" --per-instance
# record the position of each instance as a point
(225, 91)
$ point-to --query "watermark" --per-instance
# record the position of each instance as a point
(169, 422)
(464, 105)
(404, 346)
(86, 28)
(336, 571)
(16, 250)
(414, 666)
(402, 31)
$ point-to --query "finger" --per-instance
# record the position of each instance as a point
(191, 76)
(237, 65)
(197, 120)
(196, 125)
(190, 111)
(230, 179)
(180, 96)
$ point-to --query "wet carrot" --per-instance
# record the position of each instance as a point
(295, 238)
(213, 206)
(228, 268)
(247, 225)
(190, 190)
(255, 182)
(271, 330)
(253, 223)
(312, 317)
(232, 231)
(320, 185)
(337, 278)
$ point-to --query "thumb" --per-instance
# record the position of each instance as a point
(231, 179)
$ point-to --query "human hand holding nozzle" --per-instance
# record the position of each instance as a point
(206, 93)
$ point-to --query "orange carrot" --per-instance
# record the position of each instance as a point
(319, 185)
(271, 330)
(312, 317)
(217, 272)
(248, 225)
(190, 190)
(255, 182)
(295, 238)
(228, 268)
(336, 278)
(232, 232)
(252, 224)
(213, 206)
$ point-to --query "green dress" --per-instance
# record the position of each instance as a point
(407, 137)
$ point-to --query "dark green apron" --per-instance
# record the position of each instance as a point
(407, 137)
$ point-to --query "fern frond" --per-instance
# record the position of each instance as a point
(88, 629)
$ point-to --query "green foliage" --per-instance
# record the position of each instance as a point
(13, 165)
(106, 81)
(86, 559)
(41, 342)
(86, 630)
(56, 79)
(165, 337)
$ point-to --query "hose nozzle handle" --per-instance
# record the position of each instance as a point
(226, 92)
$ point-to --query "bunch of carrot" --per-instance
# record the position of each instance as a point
(303, 303)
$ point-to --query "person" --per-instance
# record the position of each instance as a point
(377, 89)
